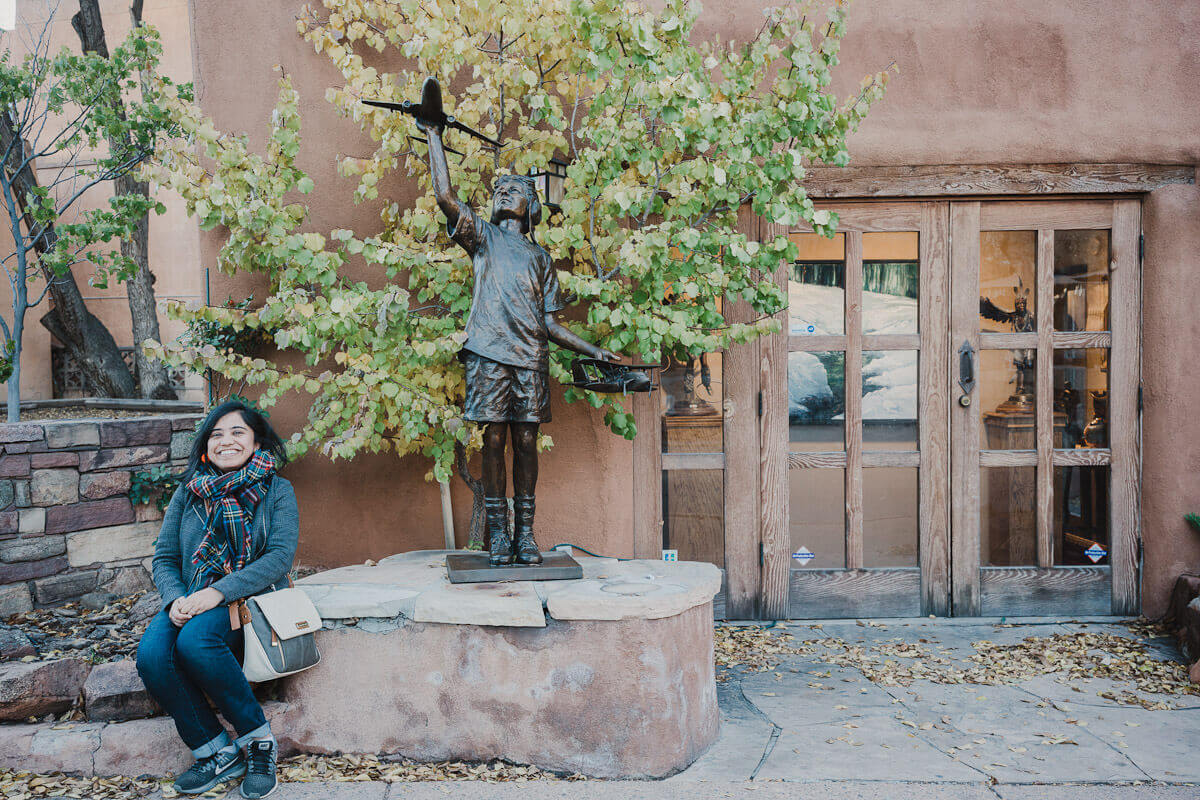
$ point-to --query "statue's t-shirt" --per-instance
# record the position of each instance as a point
(516, 285)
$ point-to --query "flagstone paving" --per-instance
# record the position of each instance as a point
(827, 721)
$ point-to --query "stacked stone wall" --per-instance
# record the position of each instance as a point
(67, 526)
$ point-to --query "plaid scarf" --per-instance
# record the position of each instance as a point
(232, 498)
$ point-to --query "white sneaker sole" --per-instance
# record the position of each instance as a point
(237, 772)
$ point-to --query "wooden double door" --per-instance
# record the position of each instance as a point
(959, 400)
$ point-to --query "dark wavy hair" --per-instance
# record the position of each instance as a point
(265, 436)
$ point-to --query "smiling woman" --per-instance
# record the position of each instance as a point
(230, 532)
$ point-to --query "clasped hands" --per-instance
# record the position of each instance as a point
(184, 608)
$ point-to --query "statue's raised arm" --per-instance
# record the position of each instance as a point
(439, 171)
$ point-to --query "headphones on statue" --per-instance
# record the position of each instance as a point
(533, 209)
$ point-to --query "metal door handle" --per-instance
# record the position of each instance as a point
(966, 372)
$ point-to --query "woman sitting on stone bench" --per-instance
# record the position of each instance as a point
(229, 532)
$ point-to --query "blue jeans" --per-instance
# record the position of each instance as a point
(179, 666)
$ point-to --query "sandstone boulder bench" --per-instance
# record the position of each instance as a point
(610, 676)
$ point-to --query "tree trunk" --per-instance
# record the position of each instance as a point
(153, 379)
(84, 336)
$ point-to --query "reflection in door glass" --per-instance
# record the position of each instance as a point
(817, 401)
(692, 407)
(818, 518)
(1008, 516)
(1081, 397)
(1081, 266)
(816, 286)
(1007, 399)
(1007, 281)
(1081, 516)
(889, 404)
(890, 282)
(694, 514)
(890, 517)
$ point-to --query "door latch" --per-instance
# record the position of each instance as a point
(966, 372)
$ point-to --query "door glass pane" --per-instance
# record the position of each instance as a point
(818, 518)
(692, 406)
(890, 517)
(1007, 390)
(1007, 277)
(1081, 267)
(1081, 397)
(817, 401)
(889, 404)
(1008, 516)
(890, 288)
(1081, 516)
(816, 287)
(694, 514)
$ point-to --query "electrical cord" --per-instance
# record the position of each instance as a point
(585, 550)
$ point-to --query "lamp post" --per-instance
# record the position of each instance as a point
(551, 182)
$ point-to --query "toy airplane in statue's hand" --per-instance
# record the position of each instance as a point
(429, 111)
(609, 378)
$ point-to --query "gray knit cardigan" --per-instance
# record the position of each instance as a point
(274, 533)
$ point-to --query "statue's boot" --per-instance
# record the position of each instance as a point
(500, 546)
(525, 548)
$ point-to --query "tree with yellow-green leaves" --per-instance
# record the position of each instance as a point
(664, 140)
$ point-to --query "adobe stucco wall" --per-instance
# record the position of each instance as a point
(1007, 81)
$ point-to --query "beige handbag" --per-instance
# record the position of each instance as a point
(280, 632)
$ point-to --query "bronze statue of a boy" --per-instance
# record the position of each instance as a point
(506, 354)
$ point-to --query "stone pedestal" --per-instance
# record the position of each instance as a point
(610, 675)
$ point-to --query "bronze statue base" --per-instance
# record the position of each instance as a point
(474, 568)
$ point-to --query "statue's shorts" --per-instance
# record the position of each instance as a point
(503, 393)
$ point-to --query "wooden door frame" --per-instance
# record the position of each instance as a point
(743, 414)
(759, 533)
(1007, 587)
(930, 580)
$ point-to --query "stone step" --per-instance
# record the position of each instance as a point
(31, 689)
(135, 747)
(114, 691)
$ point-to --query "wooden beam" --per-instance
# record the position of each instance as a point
(853, 400)
(964, 421)
(1008, 458)
(773, 464)
(1033, 592)
(836, 593)
(817, 343)
(891, 341)
(1044, 405)
(739, 378)
(693, 461)
(647, 477)
(1008, 341)
(891, 458)
(1124, 377)
(823, 460)
(934, 410)
(958, 180)
(1082, 457)
(1075, 340)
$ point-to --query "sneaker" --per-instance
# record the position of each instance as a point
(260, 777)
(208, 772)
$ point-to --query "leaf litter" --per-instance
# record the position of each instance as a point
(23, 785)
(74, 631)
(1069, 657)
